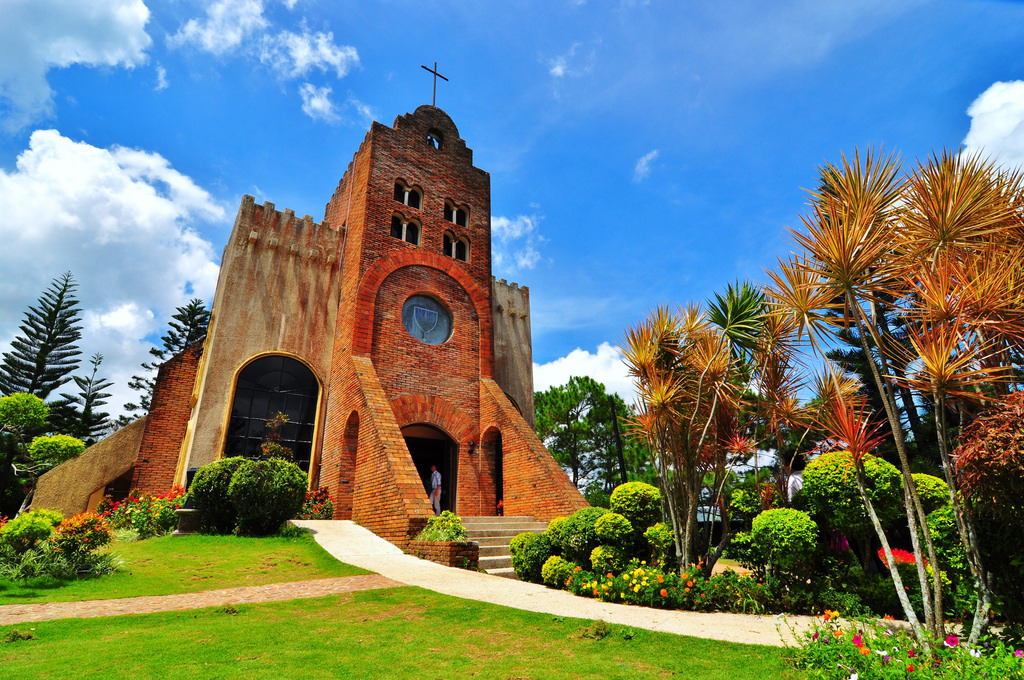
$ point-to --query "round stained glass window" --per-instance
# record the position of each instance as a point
(427, 320)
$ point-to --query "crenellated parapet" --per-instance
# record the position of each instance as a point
(513, 353)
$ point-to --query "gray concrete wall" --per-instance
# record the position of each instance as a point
(278, 292)
(513, 343)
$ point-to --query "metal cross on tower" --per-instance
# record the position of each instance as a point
(436, 76)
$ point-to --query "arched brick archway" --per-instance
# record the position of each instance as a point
(492, 477)
(366, 299)
(344, 486)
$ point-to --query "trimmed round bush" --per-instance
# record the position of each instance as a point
(55, 448)
(529, 552)
(638, 502)
(556, 572)
(934, 492)
(613, 529)
(830, 487)
(608, 559)
(662, 544)
(266, 493)
(209, 490)
(579, 537)
(554, 533)
(786, 537)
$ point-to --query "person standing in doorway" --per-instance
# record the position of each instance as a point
(435, 489)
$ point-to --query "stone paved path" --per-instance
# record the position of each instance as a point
(274, 592)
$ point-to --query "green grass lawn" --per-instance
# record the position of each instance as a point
(389, 633)
(185, 564)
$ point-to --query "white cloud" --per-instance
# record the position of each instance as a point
(643, 166)
(38, 35)
(997, 123)
(571, 64)
(605, 366)
(316, 103)
(365, 111)
(293, 55)
(290, 4)
(161, 79)
(517, 242)
(122, 220)
(226, 25)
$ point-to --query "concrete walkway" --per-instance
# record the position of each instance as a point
(354, 545)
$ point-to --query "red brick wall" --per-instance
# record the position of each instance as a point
(534, 484)
(168, 419)
(448, 553)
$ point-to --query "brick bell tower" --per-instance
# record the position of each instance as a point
(413, 379)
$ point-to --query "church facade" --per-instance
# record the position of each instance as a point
(381, 335)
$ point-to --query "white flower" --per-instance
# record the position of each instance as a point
(976, 653)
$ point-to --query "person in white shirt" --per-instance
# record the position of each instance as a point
(435, 489)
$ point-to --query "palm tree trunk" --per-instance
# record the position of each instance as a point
(901, 592)
(931, 593)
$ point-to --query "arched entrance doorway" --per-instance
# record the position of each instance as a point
(430, 446)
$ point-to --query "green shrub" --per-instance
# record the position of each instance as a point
(556, 572)
(445, 527)
(82, 533)
(55, 449)
(933, 491)
(638, 502)
(742, 549)
(529, 552)
(613, 529)
(596, 495)
(830, 487)
(608, 559)
(209, 490)
(554, 533)
(662, 545)
(28, 529)
(578, 535)
(946, 538)
(785, 537)
(266, 493)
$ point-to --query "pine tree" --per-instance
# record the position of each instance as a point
(78, 414)
(45, 354)
(187, 326)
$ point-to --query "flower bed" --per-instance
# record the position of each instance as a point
(859, 650)
(647, 586)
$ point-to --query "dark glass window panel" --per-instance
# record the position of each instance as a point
(412, 234)
(399, 193)
(396, 226)
(448, 212)
(460, 250)
(447, 245)
(461, 217)
(414, 199)
(276, 384)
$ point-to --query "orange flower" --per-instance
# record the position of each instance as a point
(686, 576)
(610, 575)
(838, 632)
(888, 617)
(689, 584)
(687, 590)
(661, 579)
(864, 650)
(664, 593)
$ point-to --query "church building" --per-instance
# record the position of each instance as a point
(382, 336)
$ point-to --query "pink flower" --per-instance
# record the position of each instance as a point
(952, 641)
(1018, 653)
(857, 640)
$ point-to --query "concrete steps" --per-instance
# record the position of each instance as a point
(493, 535)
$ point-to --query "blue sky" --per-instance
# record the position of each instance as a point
(640, 152)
